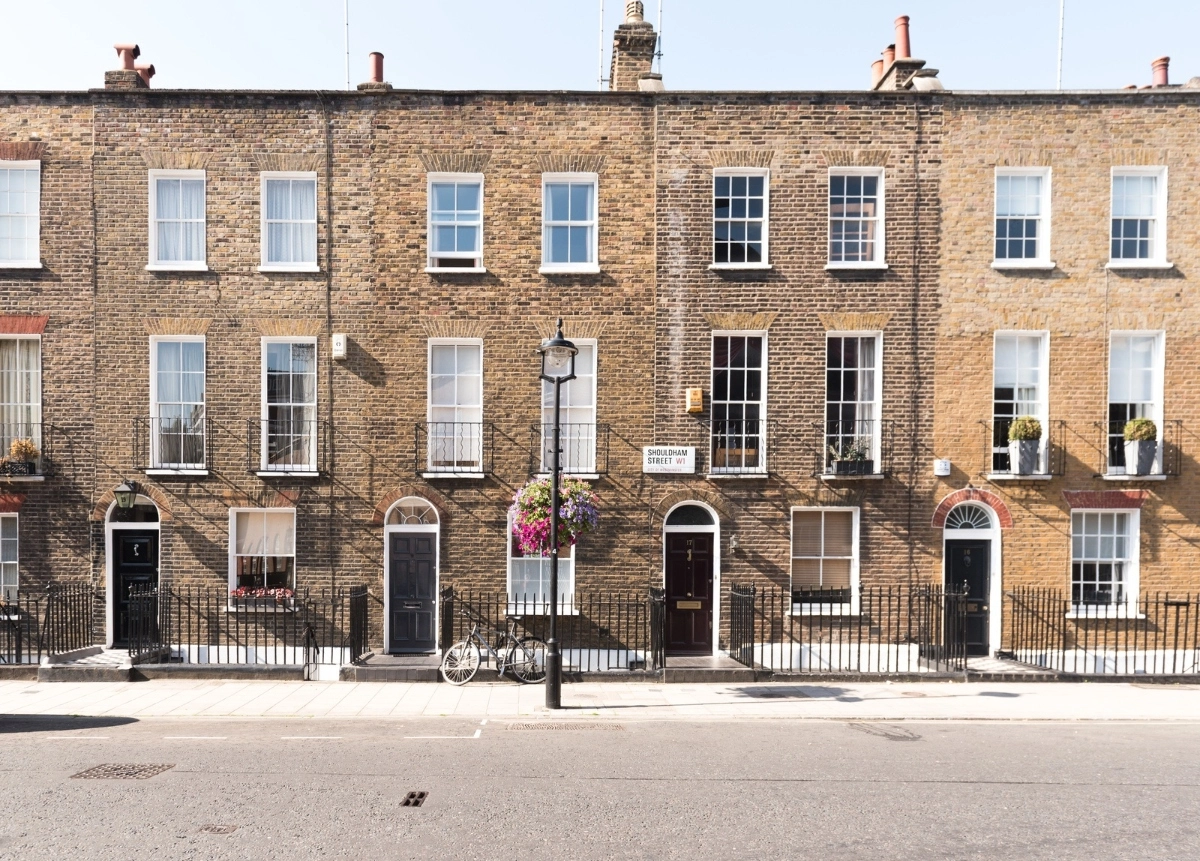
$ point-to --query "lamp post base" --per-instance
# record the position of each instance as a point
(553, 675)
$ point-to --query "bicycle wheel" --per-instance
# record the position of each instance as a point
(460, 663)
(528, 660)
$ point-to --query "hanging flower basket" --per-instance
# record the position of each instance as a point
(578, 512)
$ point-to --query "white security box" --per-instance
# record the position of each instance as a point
(339, 343)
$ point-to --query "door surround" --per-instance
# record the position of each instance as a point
(991, 534)
(715, 530)
(109, 566)
(434, 527)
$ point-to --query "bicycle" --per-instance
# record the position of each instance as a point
(526, 657)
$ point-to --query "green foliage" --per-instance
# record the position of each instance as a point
(1024, 428)
(1141, 430)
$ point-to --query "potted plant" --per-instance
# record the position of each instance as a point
(1024, 445)
(22, 457)
(248, 597)
(1141, 446)
(578, 512)
(852, 457)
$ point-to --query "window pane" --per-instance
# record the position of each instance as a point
(839, 533)
(558, 197)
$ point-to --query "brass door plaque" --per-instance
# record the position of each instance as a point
(688, 605)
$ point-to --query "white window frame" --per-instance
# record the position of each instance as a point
(1158, 255)
(1042, 260)
(38, 432)
(233, 554)
(156, 463)
(156, 265)
(37, 219)
(265, 466)
(1043, 403)
(430, 471)
(430, 257)
(1158, 393)
(1131, 576)
(763, 468)
(765, 173)
(877, 433)
(9, 591)
(265, 265)
(536, 606)
(880, 259)
(593, 266)
(853, 608)
(547, 420)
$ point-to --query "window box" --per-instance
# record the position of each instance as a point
(17, 467)
(854, 467)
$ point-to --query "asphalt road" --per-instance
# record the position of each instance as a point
(289, 789)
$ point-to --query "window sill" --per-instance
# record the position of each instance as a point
(177, 267)
(736, 475)
(1120, 612)
(836, 266)
(22, 478)
(1014, 476)
(582, 476)
(453, 270)
(823, 610)
(581, 269)
(472, 475)
(833, 476)
(1045, 265)
(734, 267)
(161, 471)
(21, 264)
(1139, 264)
(287, 473)
(1123, 477)
(291, 267)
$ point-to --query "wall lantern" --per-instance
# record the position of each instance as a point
(125, 494)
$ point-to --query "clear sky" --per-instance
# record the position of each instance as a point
(554, 44)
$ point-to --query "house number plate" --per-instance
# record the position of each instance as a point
(688, 605)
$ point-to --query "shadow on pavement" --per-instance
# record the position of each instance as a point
(58, 723)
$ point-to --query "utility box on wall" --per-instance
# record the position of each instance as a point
(338, 345)
(694, 403)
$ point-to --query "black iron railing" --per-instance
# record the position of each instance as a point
(597, 632)
(584, 448)
(453, 448)
(37, 625)
(1157, 634)
(1052, 454)
(739, 446)
(26, 449)
(287, 446)
(175, 443)
(1114, 456)
(855, 447)
(200, 625)
(912, 628)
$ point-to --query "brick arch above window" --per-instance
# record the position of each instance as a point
(100, 511)
(672, 499)
(972, 494)
(421, 491)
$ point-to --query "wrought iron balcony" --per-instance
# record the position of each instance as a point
(1163, 460)
(25, 450)
(453, 448)
(584, 448)
(287, 446)
(738, 446)
(855, 448)
(998, 465)
(172, 444)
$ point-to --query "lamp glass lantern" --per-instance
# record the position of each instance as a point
(125, 494)
(558, 358)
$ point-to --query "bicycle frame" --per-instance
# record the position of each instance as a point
(505, 638)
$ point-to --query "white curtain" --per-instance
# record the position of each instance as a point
(265, 533)
(20, 390)
(291, 221)
(179, 212)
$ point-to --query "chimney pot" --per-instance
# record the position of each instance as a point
(376, 67)
(903, 49)
(876, 73)
(128, 52)
(145, 72)
(1160, 68)
(635, 12)
(889, 56)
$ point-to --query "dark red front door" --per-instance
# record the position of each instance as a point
(689, 593)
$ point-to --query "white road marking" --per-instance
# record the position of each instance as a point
(467, 737)
(197, 737)
(306, 737)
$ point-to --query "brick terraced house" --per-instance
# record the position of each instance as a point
(300, 328)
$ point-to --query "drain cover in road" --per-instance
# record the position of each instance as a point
(123, 771)
(218, 829)
(564, 725)
(414, 799)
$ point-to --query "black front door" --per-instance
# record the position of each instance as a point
(135, 566)
(412, 591)
(969, 563)
(689, 593)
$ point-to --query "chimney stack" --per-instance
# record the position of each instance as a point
(1160, 68)
(903, 49)
(889, 57)
(876, 73)
(633, 51)
(131, 75)
(375, 74)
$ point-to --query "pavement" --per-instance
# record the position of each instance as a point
(865, 701)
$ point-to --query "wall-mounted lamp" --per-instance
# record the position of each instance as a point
(125, 494)
(733, 543)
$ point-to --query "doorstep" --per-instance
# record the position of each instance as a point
(394, 668)
(711, 669)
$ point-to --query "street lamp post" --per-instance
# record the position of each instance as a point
(558, 367)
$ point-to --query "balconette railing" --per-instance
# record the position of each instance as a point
(1049, 460)
(287, 446)
(584, 448)
(170, 443)
(453, 448)
(1119, 458)
(855, 448)
(25, 449)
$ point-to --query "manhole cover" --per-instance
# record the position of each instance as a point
(891, 733)
(123, 771)
(565, 725)
(414, 799)
(218, 829)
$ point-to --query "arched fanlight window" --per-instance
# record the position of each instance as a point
(412, 511)
(690, 515)
(969, 517)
